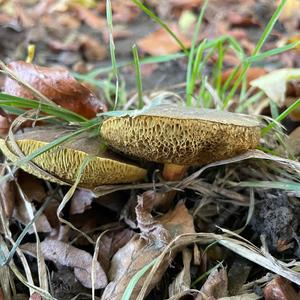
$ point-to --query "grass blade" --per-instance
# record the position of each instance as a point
(49, 108)
(152, 15)
(189, 88)
(138, 76)
(256, 51)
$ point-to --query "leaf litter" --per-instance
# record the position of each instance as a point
(150, 244)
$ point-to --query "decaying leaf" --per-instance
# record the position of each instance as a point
(89, 17)
(160, 42)
(215, 286)
(81, 201)
(143, 248)
(7, 195)
(32, 187)
(92, 49)
(20, 214)
(280, 289)
(274, 84)
(182, 281)
(57, 84)
(68, 255)
(111, 243)
(251, 296)
(252, 74)
(124, 11)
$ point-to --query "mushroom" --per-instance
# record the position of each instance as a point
(180, 136)
(61, 164)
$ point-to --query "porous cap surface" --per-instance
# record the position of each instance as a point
(177, 134)
(64, 161)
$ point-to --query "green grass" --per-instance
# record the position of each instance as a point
(197, 93)
(138, 76)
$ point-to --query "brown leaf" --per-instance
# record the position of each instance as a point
(160, 42)
(35, 296)
(124, 11)
(131, 258)
(32, 187)
(67, 255)
(111, 243)
(91, 48)
(178, 221)
(241, 20)
(7, 195)
(4, 125)
(280, 289)
(252, 73)
(81, 201)
(20, 214)
(215, 286)
(56, 84)
(89, 17)
(290, 15)
(182, 281)
(143, 248)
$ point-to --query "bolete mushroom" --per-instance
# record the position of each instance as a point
(180, 136)
(61, 164)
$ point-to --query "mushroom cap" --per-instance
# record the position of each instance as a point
(61, 164)
(182, 135)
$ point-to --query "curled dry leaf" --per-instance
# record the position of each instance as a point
(70, 256)
(81, 201)
(89, 17)
(143, 248)
(7, 194)
(35, 296)
(91, 48)
(215, 286)
(182, 281)
(274, 84)
(124, 11)
(57, 84)
(160, 42)
(20, 214)
(280, 289)
(111, 243)
(32, 187)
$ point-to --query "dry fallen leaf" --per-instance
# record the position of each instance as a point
(81, 201)
(290, 15)
(182, 282)
(89, 17)
(55, 83)
(111, 243)
(160, 42)
(70, 256)
(252, 74)
(215, 286)
(274, 84)
(124, 11)
(91, 48)
(20, 214)
(280, 289)
(32, 187)
(143, 248)
(7, 195)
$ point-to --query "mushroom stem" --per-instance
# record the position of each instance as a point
(171, 172)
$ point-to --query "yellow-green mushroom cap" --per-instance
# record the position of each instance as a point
(182, 135)
(62, 163)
